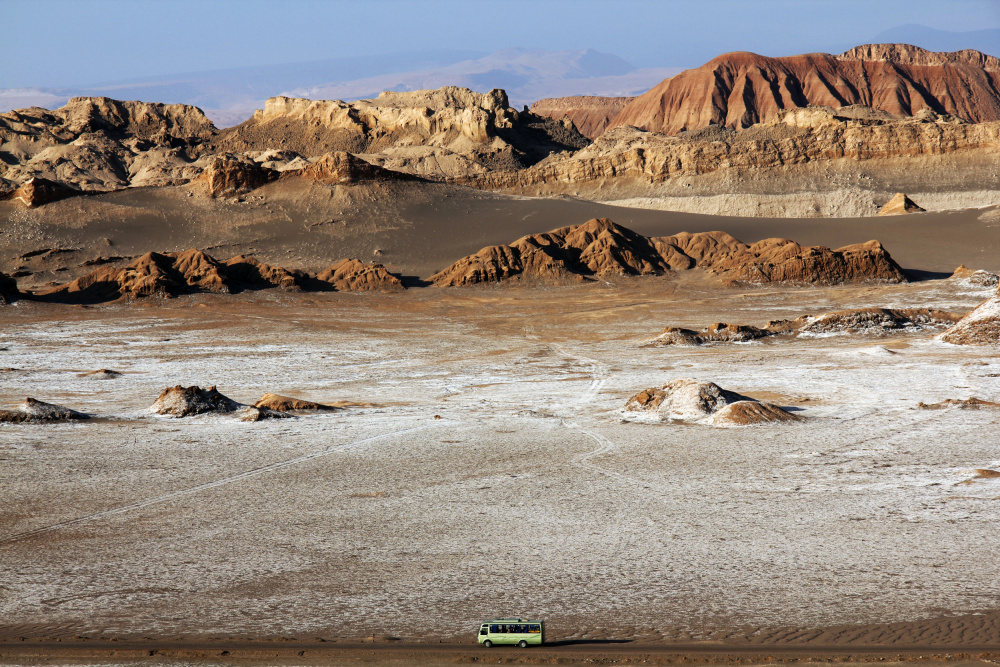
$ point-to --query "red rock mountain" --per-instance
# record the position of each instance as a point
(740, 89)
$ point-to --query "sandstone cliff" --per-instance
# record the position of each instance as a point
(600, 247)
(737, 90)
(590, 114)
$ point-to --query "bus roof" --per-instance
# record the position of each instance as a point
(511, 620)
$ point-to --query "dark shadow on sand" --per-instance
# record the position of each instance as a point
(584, 642)
(919, 276)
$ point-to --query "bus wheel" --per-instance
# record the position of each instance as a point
(487, 644)
(523, 644)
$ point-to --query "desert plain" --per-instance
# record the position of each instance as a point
(520, 420)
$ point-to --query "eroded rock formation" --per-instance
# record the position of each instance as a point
(191, 271)
(900, 204)
(980, 327)
(280, 403)
(181, 401)
(600, 247)
(39, 411)
(856, 321)
(689, 400)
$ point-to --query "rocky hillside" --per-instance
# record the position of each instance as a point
(737, 90)
(601, 248)
(590, 114)
(626, 161)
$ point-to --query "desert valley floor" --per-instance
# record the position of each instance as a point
(482, 465)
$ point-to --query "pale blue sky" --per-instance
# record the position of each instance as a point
(77, 42)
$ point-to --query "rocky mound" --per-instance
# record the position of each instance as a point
(601, 248)
(257, 414)
(353, 274)
(280, 403)
(341, 168)
(690, 400)
(185, 401)
(172, 274)
(737, 90)
(228, 175)
(980, 327)
(38, 411)
(102, 374)
(453, 121)
(900, 204)
(590, 114)
(976, 278)
(856, 321)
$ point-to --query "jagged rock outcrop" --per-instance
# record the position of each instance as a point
(737, 90)
(353, 274)
(600, 247)
(229, 175)
(856, 321)
(590, 114)
(627, 162)
(38, 411)
(8, 289)
(980, 327)
(181, 401)
(99, 144)
(900, 204)
(689, 400)
(340, 168)
(172, 274)
(447, 122)
(257, 414)
(280, 403)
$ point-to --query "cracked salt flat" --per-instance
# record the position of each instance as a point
(356, 522)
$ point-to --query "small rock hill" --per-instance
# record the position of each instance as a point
(737, 90)
(590, 114)
(980, 327)
(900, 204)
(688, 400)
(603, 248)
(191, 271)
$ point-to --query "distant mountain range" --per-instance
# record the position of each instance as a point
(230, 96)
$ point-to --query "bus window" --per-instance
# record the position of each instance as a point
(494, 628)
(534, 627)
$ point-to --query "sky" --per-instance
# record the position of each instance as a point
(51, 43)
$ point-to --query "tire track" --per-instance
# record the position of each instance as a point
(173, 495)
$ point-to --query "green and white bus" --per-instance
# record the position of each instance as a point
(512, 631)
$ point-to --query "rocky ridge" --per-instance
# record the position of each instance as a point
(737, 90)
(600, 248)
(172, 274)
(627, 161)
(856, 321)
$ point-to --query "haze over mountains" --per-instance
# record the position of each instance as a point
(230, 96)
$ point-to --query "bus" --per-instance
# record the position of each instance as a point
(512, 631)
